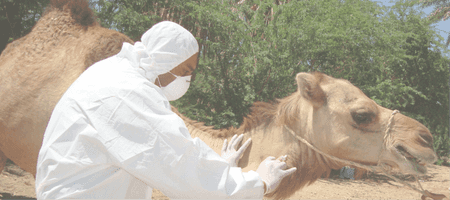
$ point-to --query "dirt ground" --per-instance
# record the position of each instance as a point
(16, 183)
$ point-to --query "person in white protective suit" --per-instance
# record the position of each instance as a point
(114, 135)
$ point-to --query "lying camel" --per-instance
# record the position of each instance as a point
(38, 68)
(332, 114)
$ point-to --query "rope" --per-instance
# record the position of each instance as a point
(380, 167)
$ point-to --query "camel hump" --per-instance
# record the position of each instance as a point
(79, 10)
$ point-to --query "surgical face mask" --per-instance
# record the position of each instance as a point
(177, 88)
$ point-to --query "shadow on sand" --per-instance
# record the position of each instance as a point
(10, 196)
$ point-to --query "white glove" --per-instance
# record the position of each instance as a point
(230, 154)
(272, 172)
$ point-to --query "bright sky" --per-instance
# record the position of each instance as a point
(443, 26)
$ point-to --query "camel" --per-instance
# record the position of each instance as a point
(332, 114)
(38, 68)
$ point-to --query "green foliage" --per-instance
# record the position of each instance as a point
(21, 15)
(250, 54)
(441, 143)
(134, 17)
(427, 72)
(441, 11)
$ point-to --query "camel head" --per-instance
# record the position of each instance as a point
(342, 121)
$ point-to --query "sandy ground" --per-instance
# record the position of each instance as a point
(15, 183)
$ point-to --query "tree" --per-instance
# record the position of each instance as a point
(251, 50)
(441, 11)
(17, 17)
(134, 17)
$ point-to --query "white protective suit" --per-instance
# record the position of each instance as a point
(113, 134)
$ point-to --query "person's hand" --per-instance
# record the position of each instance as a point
(272, 172)
(229, 152)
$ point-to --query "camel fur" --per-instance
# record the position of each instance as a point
(38, 68)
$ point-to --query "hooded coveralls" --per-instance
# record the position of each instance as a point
(113, 134)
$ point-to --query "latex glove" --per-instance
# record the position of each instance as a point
(229, 152)
(272, 172)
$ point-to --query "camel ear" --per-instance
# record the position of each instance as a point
(309, 88)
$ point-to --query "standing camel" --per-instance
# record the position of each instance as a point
(330, 113)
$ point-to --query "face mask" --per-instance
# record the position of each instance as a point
(177, 88)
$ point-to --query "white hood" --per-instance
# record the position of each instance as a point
(162, 48)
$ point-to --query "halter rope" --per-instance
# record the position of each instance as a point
(387, 141)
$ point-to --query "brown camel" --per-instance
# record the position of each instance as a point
(38, 68)
(332, 114)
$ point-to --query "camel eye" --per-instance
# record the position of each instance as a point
(362, 118)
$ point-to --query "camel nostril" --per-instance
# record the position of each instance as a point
(425, 139)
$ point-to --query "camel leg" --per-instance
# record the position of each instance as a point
(3, 159)
(360, 173)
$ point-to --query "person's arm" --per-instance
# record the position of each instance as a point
(153, 144)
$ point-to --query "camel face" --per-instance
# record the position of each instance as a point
(347, 124)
